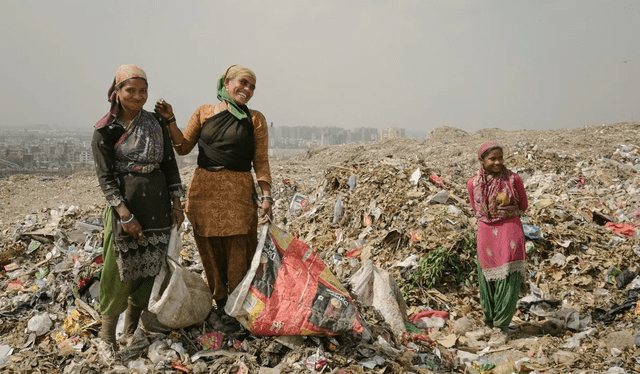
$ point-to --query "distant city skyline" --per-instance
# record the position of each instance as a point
(417, 134)
(52, 148)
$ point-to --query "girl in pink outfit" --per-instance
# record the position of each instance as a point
(498, 199)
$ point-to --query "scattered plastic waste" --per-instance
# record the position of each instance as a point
(580, 200)
(620, 228)
(299, 204)
(558, 259)
(40, 324)
(437, 181)
(337, 210)
(138, 366)
(440, 198)
(410, 262)
(5, 354)
(532, 232)
(372, 362)
(33, 246)
(415, 177)
(211, 341)
(352, 182)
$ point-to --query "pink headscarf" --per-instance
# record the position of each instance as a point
(123, 73)
(487, 146)
(495, 196)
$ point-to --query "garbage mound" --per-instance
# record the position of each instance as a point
(446, 133)
(391, 222)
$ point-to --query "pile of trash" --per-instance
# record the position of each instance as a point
(390, 222)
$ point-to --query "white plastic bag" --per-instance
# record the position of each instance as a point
(376, 287)
(179, 298)
(40, 324)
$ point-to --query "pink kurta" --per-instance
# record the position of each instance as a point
(501, 248)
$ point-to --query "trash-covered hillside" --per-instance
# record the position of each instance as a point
(395, 208)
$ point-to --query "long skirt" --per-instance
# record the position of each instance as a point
(115, 294)
(130, 265)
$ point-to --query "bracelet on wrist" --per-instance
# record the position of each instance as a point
(171, 119)
(267, 198)
(178, 209)
(127, 221)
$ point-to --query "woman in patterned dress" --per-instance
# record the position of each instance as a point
(221, 200)
(138, 174)
(498, 199)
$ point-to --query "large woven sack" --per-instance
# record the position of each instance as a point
(289, 290)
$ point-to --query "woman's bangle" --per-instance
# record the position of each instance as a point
(127, 221)
(267, 198)
(171, 119)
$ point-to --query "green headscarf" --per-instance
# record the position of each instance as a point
(232, 72)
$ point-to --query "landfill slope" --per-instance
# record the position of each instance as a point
(577, 312)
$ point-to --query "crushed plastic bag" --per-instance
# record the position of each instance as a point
(532, 232)
(179, 298)
(290, 291)
(374, 286)
(40, 324)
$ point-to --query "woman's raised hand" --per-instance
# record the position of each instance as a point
(164, 109)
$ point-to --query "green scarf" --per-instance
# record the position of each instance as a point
(223, 95)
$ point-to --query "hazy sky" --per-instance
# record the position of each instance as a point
(414, 64)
